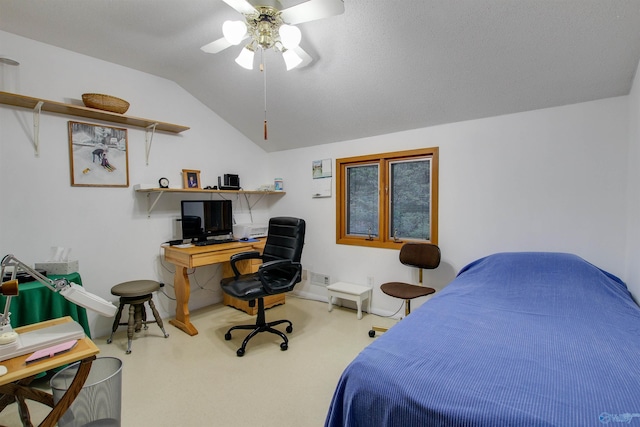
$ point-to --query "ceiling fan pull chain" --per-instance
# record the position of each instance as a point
(263, 69)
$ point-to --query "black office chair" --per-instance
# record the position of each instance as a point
(422, 256)
(279, 273)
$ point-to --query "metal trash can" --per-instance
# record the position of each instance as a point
(99, 401)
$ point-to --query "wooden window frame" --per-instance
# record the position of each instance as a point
(383, 239)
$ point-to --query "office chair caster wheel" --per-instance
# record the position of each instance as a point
(284, 346)
(109, 341)
(240, 352)
(289, 329)
(372, 333)
(227, 336)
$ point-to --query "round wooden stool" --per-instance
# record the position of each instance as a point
(136, 293)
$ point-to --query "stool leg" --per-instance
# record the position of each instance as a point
(130, 326)
(156, 315)
(143, 310)
(116, 322)
(139, 316)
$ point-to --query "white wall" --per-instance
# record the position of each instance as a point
(633, 228)
(553, 179)
(107, 228)
(547, 180)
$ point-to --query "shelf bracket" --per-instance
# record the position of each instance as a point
(148, 137)
(36, 126)
(256, 202)
(150, 205)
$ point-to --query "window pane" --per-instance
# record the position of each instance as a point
(410, 199)
(362, 200)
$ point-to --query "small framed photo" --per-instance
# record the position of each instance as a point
(190, 178)
(98, 155)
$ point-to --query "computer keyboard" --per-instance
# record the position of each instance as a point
(214, 242)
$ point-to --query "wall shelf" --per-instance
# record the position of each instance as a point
(38, 105)
(161, 191)
(81, 111)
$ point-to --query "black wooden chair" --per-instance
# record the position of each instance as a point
(279, 273)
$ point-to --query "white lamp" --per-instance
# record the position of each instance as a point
(290, 36)
(12, 344)
(291, 59)
(234, 31)
(245, 59)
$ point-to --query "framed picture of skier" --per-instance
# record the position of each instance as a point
(98, 155)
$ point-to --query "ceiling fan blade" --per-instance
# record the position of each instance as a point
(306, 58)
(216, 46)
(242, 6)
(312, 10)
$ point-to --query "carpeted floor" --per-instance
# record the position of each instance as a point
(199, 381)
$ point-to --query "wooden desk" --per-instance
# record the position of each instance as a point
(198, 256)
(14, 384)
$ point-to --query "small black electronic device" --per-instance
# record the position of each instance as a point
(23, 276)
(202, 219)
(231, 182)
(175, 242)
(214, 242)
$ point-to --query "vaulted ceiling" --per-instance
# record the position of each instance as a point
(382, 66)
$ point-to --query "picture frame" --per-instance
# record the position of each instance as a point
(98, 155)
(190, 178)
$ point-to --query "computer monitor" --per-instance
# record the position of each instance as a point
(202, 219)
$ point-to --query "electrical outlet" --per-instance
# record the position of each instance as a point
(370, 281)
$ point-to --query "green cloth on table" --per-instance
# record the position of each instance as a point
(36, 303)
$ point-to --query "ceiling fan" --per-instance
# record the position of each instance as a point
(269, 26)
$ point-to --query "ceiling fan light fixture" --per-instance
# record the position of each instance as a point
(290, 36)
(291, 59)
(245, 59)
(234, 31)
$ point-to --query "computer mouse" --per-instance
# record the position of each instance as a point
(244, 239)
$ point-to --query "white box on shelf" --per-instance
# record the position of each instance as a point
(144, 186)
(60, 267)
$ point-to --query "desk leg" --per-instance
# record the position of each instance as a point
(182, 288)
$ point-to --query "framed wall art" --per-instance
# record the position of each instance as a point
(190, 178)
(98, 155)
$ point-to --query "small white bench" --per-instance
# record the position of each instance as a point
(349, 291)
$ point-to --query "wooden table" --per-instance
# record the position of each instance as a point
(14, 385)
(198, 256)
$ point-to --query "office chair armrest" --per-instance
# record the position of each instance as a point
(240, 257)
(290, 274)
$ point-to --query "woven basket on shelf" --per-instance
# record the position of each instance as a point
(105, 102)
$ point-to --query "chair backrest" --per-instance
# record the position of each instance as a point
(285, 239)
(420, 255)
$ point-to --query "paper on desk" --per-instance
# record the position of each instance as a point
(51, 351)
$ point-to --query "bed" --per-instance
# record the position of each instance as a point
(517, 339)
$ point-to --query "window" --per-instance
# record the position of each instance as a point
(386, 199)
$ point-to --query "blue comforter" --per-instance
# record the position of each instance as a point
(517, 339)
